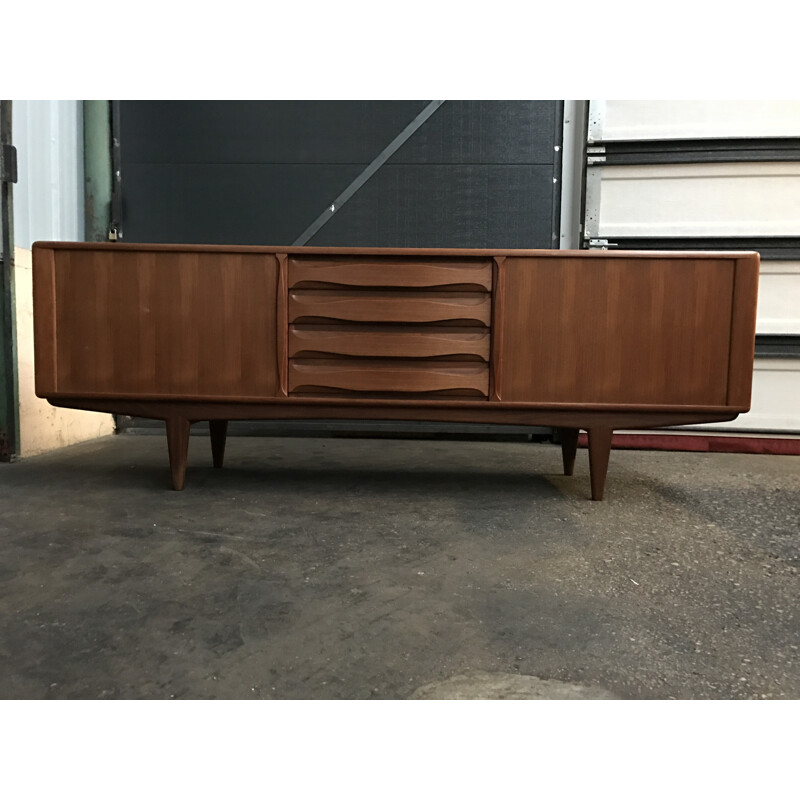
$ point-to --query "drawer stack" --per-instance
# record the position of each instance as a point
(389, 327)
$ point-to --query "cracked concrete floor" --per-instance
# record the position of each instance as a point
(358, 568)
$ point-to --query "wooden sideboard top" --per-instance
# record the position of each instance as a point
(390, 251)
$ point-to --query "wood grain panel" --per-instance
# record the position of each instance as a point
(615, 331)
(387, 272)
(165, 323)
(388, 342)
(396, 375)
(743, 332)
(44, 321)
(399, 306)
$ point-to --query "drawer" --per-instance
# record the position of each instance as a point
(363, 271)
(389, 342)
(389, 306)
(398, 376)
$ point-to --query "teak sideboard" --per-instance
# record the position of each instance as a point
(591, 340)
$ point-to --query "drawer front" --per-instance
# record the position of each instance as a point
(396, 306)
(388, 342)
(388, 326)
(366, 272)
(395, 376)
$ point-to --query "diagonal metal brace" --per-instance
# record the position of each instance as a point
(373, 167)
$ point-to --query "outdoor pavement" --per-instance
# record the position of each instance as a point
(396, 568)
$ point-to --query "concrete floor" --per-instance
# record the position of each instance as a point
(355, 568)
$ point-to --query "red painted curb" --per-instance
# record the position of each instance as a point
(702, 444)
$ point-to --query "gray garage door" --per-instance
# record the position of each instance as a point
(471, 174)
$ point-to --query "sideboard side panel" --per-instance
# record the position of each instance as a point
(165, 324)
(44, 321)
(743, 332)
(616, 330)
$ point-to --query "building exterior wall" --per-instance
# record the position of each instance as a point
(48, 205)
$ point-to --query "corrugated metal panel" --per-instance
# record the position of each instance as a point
(48, 198)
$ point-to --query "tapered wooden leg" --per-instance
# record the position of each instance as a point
(599, 450)
(218, 428)
(178, 445)
(569, 446)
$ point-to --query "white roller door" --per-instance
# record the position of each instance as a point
(637, 120)
(726, 200)
(779, 298)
